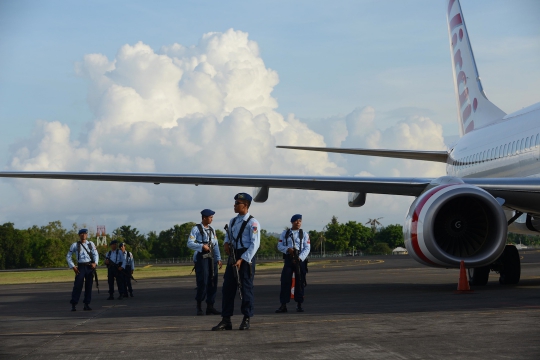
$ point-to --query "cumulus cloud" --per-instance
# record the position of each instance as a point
(206, 108)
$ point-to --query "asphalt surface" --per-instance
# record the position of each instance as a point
(357, 308)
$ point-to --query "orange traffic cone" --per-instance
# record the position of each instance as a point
(463, 283)
(292, 286)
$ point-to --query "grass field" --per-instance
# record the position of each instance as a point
(67, 275)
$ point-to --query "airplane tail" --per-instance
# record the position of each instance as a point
(474, 109)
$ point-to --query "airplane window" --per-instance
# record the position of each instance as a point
(527, 143)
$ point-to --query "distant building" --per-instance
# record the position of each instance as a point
(399, 251)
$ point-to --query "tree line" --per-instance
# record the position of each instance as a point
(46, 246)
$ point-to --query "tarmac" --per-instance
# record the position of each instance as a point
(386, 307)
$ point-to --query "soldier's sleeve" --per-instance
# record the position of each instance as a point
(217, 254)
(69, 257)
(191, 240)
(255, 236)
(306, 247)
(227, 234)
(96, 253)
(281, 243)
(123, 260)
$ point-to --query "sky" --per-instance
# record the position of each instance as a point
(213, 87)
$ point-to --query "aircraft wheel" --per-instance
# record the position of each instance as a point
(479, 276)
(511, 266)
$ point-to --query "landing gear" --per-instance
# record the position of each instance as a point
(508, 266)
(479, 276)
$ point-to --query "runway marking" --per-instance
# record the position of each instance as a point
(357, 263)
(367, 316)
(62, 333)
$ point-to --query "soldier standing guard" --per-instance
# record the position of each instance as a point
(295, 245)
(128, 271)
(207, 258)
(242, 241)
(87, 259)
(116, 262)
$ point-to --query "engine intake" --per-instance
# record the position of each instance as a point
(454, 222)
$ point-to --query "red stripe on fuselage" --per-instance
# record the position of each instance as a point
(414, 223)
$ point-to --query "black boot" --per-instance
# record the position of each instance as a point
(299, 307)
(199, 309)
(211, 310)
(125, 295)
(245, 324)
(131, 294)
(224, 324)
(282, 309)
(110, 297)
(120, 297)
(86, 307)
(73, 308)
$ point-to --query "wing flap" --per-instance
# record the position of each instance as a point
(437, 156)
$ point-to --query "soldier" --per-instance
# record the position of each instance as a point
(207, 258)
(87, 259)
(295, 245)
(128, 271)
(242, 241)
(116, 263)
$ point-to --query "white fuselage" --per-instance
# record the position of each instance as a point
(509, 148)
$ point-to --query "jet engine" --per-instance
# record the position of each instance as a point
(451, 222)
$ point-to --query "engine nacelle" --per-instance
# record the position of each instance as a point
(454, 222)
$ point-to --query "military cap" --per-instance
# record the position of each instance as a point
(83, 231)
(113, 242)
(207, 212)
(296, 217)
(243, 196)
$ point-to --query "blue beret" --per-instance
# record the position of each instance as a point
(207, 212)
(114, 242)
(296, 217)
(83, 231)
(243, 196)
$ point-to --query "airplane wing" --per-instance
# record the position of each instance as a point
(437, 156)
(379, 185)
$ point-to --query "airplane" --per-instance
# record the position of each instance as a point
(492, 179)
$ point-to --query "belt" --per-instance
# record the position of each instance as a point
(86, 263)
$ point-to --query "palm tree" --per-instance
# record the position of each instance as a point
(374, 223)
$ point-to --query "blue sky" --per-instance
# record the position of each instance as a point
(331, 57)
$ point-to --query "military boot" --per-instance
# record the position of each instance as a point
(110, 297)
(73, 308)
(87, 308)
(282, 309)
(299, 307)
(224, 324)
(120, 297)
(131, 294)
(211, 310)
(245, 324)
(199, 309)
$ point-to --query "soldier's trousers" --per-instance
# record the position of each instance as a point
(114, 273)
(85, 276)
(206, 287)
(286, 282)
(127, 280)
(230, 289)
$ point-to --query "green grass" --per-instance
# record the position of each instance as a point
(147, 272)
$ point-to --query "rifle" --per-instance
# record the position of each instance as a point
(210, 253)
(295, 257)
(232, 261)
(91, 254)
(123, 271)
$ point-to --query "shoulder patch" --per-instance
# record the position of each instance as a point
(255, 227)
(192, 237)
